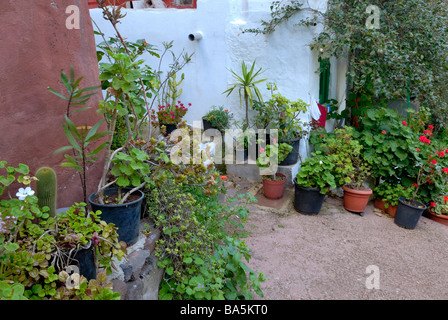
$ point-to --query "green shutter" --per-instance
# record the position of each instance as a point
(324, 80)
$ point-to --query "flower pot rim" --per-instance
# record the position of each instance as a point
(349, 189)
(441, 216)
(93, 195)
(292, 140)
(305, 188)
(402, 199)
(277, 174)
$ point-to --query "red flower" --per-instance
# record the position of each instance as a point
(405, 123)
(431, 127)
(383, 132)
(445, 198)
(433, 161)
(433, 204)
(223, 178)
(418, 149)
(445, 170)
(424, 140)
(441, 153)
(415, 185)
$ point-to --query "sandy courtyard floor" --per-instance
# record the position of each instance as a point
(328, 256)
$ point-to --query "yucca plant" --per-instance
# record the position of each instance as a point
(246, 84)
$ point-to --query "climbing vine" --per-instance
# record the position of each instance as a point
(404, 58)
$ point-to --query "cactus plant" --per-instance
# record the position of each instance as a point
(46, 188)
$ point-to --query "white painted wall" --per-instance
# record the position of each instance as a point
(284, 55)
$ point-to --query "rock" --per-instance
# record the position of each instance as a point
(120, 287)
(127, 272)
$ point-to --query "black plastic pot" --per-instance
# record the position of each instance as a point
(307, 201)
(407, 215)
(169, 128)
(84, 259)
(206, 124)
(126, 217)
(293, 156)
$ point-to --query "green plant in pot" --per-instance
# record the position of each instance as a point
(38, 252)
(386, 195)
(313, 181)
(284, 115)
(217, 118)
(274, 182)
(432, 176)
(351, 169)
(246, 84)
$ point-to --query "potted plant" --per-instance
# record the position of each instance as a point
(273, 182)
(246, 84)
(284, 115)
(313, 181)
(386, 196)
(171, 115)
(438, 210)
(352, 170)
(430, 173)
(38, 250)
(217, 118)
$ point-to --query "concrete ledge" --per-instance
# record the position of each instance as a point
(252, 173)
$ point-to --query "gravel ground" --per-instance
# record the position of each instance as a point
(327, 256)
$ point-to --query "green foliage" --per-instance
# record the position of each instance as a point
(202, 258)
(390, 147)
(280, 13)
(318, 172)
(246, 83)
(80, 139)
(219, 118)
(34, 247)
(12, 174)
(273, 152)
(282, 114)
(47, 188)
(394, 60)
(390, 192)
(351, 168)
(76, 96)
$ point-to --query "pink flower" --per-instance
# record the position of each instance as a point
(383, 132)
(418, 149)
(261, 150)
(405, 123)
(431, 127)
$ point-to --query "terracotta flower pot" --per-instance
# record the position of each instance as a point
(274, 189)
(443, 219)
(356, 200)
(390, 210)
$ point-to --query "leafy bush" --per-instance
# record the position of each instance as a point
(203, 259)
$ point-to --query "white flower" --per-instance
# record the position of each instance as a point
(23, 193)
(320, 162)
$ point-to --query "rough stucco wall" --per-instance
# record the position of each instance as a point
(284, 56)
(36, 46)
